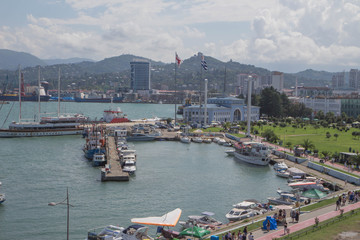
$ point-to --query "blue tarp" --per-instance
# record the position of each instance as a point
(273, 224)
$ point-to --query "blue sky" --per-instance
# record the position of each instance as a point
(284, 35)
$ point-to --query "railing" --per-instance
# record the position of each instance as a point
(320, 225)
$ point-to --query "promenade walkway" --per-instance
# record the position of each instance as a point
(305, 220)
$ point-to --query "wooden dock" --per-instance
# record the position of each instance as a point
(115, 172)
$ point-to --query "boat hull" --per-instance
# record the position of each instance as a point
(261, 161)
(8, 133)
(32, 98)
(99, 100)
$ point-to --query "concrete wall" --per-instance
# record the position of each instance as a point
(334, 173)
(289, 156)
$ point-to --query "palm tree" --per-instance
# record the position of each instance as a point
(307, 144)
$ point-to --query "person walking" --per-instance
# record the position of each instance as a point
(297, 216)
(292, 214)
(338, 202)
(245, 230)
(251, 236)
(285, 228)
(268, 225)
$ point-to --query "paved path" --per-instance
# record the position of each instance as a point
(306, 220)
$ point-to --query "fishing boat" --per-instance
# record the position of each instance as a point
(98, 159)
(252, 152)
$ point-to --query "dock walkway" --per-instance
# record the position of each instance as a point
(115, 173)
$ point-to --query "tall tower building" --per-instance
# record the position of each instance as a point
(354, 79)
(277, 80)
(140, 75)
(338, 80)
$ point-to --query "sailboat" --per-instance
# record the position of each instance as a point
(46, 126)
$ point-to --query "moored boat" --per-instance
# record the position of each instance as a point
(252, 152)
(185, 139)
(197, 140)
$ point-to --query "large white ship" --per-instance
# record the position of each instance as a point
(252, 152)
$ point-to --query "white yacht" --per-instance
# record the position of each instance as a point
(129, 166)
(280, 166)
(241, 211)
(252, 152)
(230, 151)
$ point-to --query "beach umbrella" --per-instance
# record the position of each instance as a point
(314, 193)
(195, 231)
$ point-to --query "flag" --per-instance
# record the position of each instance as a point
(177, 60)
(203, 63)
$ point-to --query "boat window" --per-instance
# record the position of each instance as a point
(237, 213)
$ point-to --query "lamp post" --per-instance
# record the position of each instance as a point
(64, 202)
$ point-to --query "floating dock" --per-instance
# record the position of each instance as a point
(115, 172)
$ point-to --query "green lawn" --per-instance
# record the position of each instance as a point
(330, 229)
(319, 204)
(318, 136)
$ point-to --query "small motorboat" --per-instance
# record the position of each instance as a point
(230, 151)
(221, 141)
(197, 139)
(111, 232)
(2, 198)
(216, 139)
(244, 209)
(205, 221)
(282, 173)
(185, 140)
(280, 166)
(207, 140)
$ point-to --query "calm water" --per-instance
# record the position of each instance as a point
(193, 177)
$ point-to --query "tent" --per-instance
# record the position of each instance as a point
(197, 232)
(169, 219)
(273, 224)
(314, 193)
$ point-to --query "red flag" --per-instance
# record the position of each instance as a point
(177, 60)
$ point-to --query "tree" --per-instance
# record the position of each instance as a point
(270, 102)
(325, 153)
(328, 135)
(269, 135)
(320, 115)
(336, 136)
(307, 144)
(288, 145)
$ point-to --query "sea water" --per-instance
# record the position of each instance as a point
(193, 177)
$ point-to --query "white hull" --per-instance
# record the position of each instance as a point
(18, 133)
(262, 161)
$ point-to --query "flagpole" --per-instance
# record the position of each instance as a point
(175, 86)
(201, 75)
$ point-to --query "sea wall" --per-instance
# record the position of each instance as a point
(232, 137)
(334, 173)
(289, 157)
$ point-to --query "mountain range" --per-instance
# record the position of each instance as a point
(117, 69)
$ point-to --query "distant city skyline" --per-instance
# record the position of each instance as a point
(280, 35)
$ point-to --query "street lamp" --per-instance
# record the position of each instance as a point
(64, 202)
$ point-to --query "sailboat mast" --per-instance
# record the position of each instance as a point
(19, 93)
(39, 118)
(58, 112)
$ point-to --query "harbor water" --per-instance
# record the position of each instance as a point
(193, 177)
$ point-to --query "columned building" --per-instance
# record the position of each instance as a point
(227, 109)
(140, 75)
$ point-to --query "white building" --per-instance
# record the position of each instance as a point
(227, 109)
(277, 80)
(324, 104)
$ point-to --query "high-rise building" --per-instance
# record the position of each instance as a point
(338, 80)
(140, 75)
(354, 79)
(277, 80)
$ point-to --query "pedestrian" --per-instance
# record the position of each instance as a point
(293, 214)
(268, 225)
(251, 236)
(297, 216)
(243, 236)
(239, 234)
(284, 214)
(223, 237)
(229, 236)
(233, 236)
(226, 236)
(245, 230)
(285, 228)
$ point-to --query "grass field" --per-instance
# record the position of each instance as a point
(318, 137)
(330, 229)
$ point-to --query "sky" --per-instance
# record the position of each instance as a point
(281, 35)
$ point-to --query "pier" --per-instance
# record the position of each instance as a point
(115, 172)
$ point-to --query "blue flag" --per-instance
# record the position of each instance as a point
(203, 63)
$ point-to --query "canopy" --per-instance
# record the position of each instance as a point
(286, 207)
(195, 231)
(169, 219)
(314, 193)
